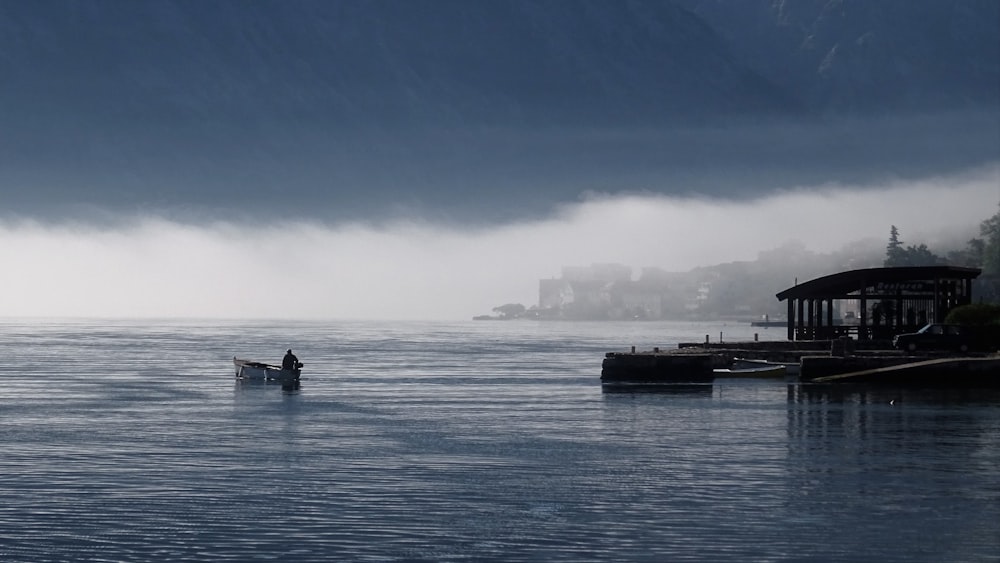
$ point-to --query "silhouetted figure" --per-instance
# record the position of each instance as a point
(290, 361)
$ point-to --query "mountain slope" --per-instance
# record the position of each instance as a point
(859, 56)
(479, 107)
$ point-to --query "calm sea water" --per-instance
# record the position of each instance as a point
(131, 441)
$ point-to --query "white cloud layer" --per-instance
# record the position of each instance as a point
(414, 270)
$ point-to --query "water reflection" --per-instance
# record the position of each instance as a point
(287, 386)
(830, 415)
(882, 394)
(664, 389)
(902, 463)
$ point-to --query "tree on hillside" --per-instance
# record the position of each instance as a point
(894, 253)
(897, 256)
(920, 255)
(969, 257)
(990, 231)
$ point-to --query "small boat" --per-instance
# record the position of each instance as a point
(747, 363)
(250, 370)
(776, 371)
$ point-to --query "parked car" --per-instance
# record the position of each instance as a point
(936, 336)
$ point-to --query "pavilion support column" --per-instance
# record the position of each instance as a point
(863, 325)
(811, 319)
(790, 325)
(937, 302)
(800, 324)
(899, 309)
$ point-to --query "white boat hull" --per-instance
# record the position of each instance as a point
(744, 363)
(777, 371)
(257, 371)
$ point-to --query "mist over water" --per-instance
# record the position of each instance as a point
(416, 269)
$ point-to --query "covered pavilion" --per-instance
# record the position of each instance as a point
(875, 303)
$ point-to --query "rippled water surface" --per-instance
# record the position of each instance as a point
(131, 441)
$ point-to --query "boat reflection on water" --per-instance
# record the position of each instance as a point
(286, 385)
(660, 388)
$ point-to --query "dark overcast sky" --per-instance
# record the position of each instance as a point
(477, 110)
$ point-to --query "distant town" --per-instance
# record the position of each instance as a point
(743, 290)
(609, 292)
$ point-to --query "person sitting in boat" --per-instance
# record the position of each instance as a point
(290, 361)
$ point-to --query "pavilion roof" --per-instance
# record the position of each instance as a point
(843, 284)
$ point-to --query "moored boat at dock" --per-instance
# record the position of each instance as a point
(761, 371)
(788, 368)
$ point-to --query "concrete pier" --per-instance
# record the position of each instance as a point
(939, 372)
(656, 367)
(821, 362)
(817, 367)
